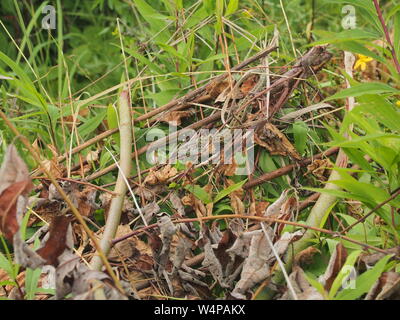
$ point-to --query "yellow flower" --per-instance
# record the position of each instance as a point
(362, 62)
(115, 32)
(398, 103)
(248, 13)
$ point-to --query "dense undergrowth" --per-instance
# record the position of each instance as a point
(63, 87)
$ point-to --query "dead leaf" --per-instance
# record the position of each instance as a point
(177, 204)
(306, 256)
(249, 84)
(57, 241)
(255, 268)
(124, 249)
(215, 88)
(15, 184)
(160, 176)
(167, 230)
(303, 289)
(386, 287)
(212, 263)
(336, 262)
(320, 168)
(175, 117)
(275, 209)
(275, 141)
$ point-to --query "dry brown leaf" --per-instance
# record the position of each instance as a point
(336, 262)
(261, 207)
(306, 256)
(57, 241)
(15, 184)
(212, 263)
(249, 84)
(175, 117)
(215, 88)
(124, 249)
(386, 287)
(275, 142)
(371, 259)
(160, 176)
(255, 268)
(167, 230)
(237, 205)
(320, 168)
(283, 243)
(275, 208)
(177, 204)
(303, 289)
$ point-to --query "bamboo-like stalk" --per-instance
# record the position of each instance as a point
(114, 213)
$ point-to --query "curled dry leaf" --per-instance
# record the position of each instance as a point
(249, 84)
(386, 287)
(306, 256)
(336, 262)
(303, 289)
(57, 241)
(124, 249)
(212, 263)
(275, 142)
(167, 230)
(160, 176)
(215, 88)
(275, 208)
(371, 259)
(149, 211)
(177, 204)
(283, 243)
(15, 184)
(255, 268)
(319, 168)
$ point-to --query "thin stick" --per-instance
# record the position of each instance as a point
(393, 196)
(387, 35)
(281, 265)
(261, 219)
(285, 170)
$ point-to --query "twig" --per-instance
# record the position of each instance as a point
(393, 196)
(387, 35)
(261, 219)
(285, 170)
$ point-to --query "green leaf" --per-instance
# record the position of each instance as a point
(363, 89)
(364, 282)
(91, 124)
(199, 193)
(300, 130)
(344, 272)
(230, 189)
(232, 7)
(6, 265)
(347, 35)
